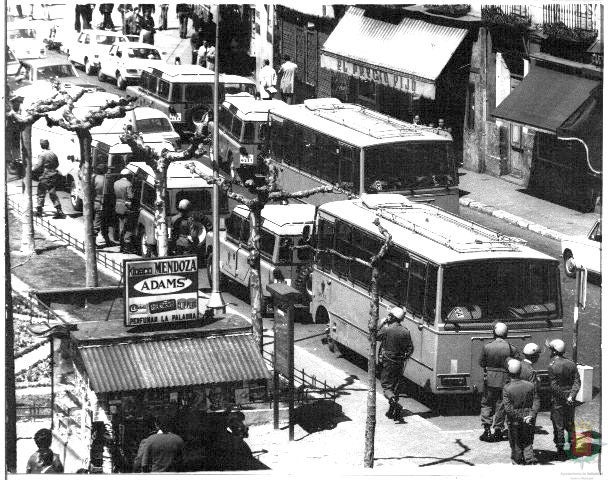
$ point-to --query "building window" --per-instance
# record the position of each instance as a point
(366, 93)
(516, 137)
(470, 113)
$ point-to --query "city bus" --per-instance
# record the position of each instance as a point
(327, 142)
(454, 279)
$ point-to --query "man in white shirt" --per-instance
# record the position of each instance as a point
(268, 80)
(288, 76)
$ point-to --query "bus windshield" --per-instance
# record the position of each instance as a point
(499, 290)
(409, 165)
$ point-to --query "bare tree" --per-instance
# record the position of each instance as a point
(24, 121)
(265, 190)
(82, 128)
(159, 163)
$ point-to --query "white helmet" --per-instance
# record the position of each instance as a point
(397, 312)
(184, 204)
(557, 345)
(531, 349)
(501, 330)
(514, 366)
(125, 171)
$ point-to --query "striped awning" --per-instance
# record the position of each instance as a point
(408, 56)
(173, 363)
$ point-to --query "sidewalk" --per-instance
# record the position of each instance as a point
(508, 202)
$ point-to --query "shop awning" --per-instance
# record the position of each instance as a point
(173, 363)
(545, 99)
(408, 56)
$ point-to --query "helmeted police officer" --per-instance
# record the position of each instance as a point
(48, 164)
(493, 360)
(100, 220)
(531, 353)
(521, 404)
(123, 193)
(395, 347)
(565, 384)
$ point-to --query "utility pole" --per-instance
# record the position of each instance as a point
(580, 301)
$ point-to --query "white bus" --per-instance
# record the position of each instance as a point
(325, 142)
(454, 278)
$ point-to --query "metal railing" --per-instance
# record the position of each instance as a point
(34, 411)
(38, 305)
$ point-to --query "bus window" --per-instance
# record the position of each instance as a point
(200, 199)
(148, 196)
(163, 89)
(233, 228)
(343, 246)
(177, 93)
(308, 162)
(263, 133)
(198, 93)
(225, 119)
(349, 169)
(285, 249)
(430, 299)
(237, 124)
(325, 240)
(266, 244)
(416, 287)
(329, 155)
(394, 273)
(245, 232)
(249, 132)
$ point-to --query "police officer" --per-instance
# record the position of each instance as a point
(184, 232)
(531, 353)
(123, 193)
(100, 220)
(48, 164)
(565, 384)
(493, 360)
(395, 347)
(521, 403)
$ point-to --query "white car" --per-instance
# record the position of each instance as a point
(24, 41)
(152, 124)
(90, 46)
(124, 62)
(583, 251)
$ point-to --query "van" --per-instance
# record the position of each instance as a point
(180, 184)
(281, 229)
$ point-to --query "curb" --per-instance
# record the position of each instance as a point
(511, 219)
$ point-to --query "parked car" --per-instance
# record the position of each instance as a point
(23, 39)
(124, 62)
(46, 69)
(90, 46)
(151, 123)
(583, 251)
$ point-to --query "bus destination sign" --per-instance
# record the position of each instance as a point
(161, 290)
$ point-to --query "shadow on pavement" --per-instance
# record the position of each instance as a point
(319, 416)
(438, 460)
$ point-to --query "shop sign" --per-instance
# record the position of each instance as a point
(398, 81)
(161, 290)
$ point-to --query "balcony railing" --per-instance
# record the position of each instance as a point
(581, 16)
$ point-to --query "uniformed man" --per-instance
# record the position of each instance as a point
(531, 353)
(100, 220)
(123, 193)
(493, 360)
(185, 231)
(48, 164)
(565, 384)
(395, 347)
(521, 403)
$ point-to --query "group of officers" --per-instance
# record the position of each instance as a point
(511, 387)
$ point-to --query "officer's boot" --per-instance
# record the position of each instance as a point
(391, 409)
(561, 454)
(497, 435)
(38, 212)
(59, 213)
(398, 416)
(486, 436)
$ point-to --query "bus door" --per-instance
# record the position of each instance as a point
(477, 344)
(234, 258)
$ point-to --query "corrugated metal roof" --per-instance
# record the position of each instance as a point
(173, 363)
(414, 47)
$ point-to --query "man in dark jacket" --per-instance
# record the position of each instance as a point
(196, 40)
(521, 403)
(396, 347)
(123, 194)
(565, 384)
(183, 13)
(163, 451)
(106, 10)
(47, 164)
(493, 361)
(531, 353)
(101, 220)
(230, 451)
(44, 460)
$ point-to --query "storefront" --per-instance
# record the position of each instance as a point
(551, 135)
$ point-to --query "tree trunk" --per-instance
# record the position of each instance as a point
(370, 423)
(160, 214)
(9, 359)
(255, 286)
(28, 245)
(88, 213)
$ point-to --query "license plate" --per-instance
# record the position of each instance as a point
(175, 118)
(247, 160)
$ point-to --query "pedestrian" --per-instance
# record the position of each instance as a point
(395, 348)
(149, 425)
(287, 73)
(521, 402)
(230, 451)
(184, 231)
(196, 40)
(531, 353)
(147, 7)
(146, 33)
(183, 12)
(201, 57)
(48, 180)
(416, 120)
(565, 384)
(441, 124)
(135, 20)
(268, 81)
(162, 451)
(123, 194)
(493, 361)
(162, 21)
(44, 460)
(177, 61)
(100, 220)
(106, 10)
(84, 15)
(126, 10)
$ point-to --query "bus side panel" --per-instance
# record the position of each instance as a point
(292, 180)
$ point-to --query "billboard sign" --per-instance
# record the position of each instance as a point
(161, 290)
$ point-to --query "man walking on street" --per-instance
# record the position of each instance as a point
(100, 220)
(123, 193)
(268, 80)
(521, 403)
(493, 361)
(48, 164)
(565, 384)
(162, 21)
(183, 12)
(162, 451)
(395, 348)
(106, 10)
(288, 74)
(196, 40)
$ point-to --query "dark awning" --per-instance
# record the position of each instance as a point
(173, 363)
(545, 99)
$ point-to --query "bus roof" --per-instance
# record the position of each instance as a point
(354, 124)
(182, 73)
(437, 235)
(283, 219)
(178, 176)
(248, 108)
